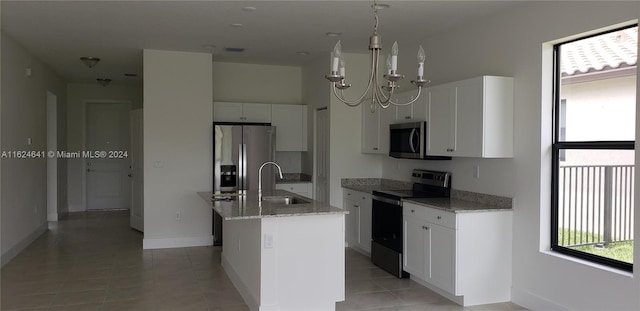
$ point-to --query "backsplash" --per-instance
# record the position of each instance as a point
(382, 182)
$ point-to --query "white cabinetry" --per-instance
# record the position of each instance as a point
(358, 221)
(291, 127)
(375, 129)
(241, 112)
(464, 256)
(471, 118)
(415, 112)
(303, 189)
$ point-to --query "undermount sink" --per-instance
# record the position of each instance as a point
(286, 200)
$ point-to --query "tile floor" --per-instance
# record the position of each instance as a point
(94, 261)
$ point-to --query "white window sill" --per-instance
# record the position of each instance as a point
(588, 263)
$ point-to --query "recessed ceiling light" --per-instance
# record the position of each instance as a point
(333, 34)
(235, 50)
(249, 8)
(208, 46)
(303, 53)
(237, 25)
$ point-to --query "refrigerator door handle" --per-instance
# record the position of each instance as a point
(244, 167)
(240, 169)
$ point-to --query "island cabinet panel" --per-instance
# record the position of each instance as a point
(464, 256)
(287, 263)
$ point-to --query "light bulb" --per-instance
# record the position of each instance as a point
(337, 53)
(394, 56)
(342, 70)
(421, 56)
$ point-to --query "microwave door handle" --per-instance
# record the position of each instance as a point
(413, 148)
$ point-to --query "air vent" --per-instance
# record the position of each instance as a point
(235, 50)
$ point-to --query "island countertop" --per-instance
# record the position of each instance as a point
(247, 207)
(457, 206)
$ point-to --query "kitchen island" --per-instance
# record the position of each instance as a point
(283, 257)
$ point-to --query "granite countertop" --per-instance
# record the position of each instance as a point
(293, 178)
(466, 202)
(247, 207)
(369, 185)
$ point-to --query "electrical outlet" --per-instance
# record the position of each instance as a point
(268, 241)
(178, 216)
(476, 171)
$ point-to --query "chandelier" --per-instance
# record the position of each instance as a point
(381, 95)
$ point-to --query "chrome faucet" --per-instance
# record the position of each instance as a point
(260, 177)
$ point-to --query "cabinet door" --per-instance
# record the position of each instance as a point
(439, 134)
(442, 261)
(259, 113)
(387, 117)
(351, 222)
(227, 112)
(415, 248)
(404, 113)
(468, 140)
(288, 120)
(370, 129)
(365, 222)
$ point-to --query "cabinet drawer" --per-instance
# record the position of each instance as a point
(435, 216)
(361, 197)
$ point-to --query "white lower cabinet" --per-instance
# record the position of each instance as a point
(304, 189)
(358, 221)
(464, 256)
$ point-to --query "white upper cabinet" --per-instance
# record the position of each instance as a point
(415, 112)
(471, 118)
(241, 112)
(375, 129)
(291, 127)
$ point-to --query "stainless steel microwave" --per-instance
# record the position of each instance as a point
(409, 141)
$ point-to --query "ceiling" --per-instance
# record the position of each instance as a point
(60, 32)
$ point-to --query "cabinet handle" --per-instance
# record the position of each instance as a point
(439, 217)
(413, 211)
(348, 193)
(407, 117)
(356, 205)
(363, 198)
(425, 227)
(375, 148)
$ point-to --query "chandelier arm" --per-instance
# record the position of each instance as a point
(411, 102)
(357, 102)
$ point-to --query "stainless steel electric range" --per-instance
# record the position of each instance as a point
(386, 226)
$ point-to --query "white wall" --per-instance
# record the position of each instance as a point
(346, 159)
(23, 181)
(253, 83)
(78, 95)
(177, 148)
(511, 43)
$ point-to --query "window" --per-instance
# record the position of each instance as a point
(593, 147)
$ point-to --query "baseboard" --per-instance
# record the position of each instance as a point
(249, 299)
(457, 299)
(20, 246)
(177, 242)
(533, 302)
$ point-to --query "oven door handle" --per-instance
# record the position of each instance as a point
(413, 148)
(386, 200)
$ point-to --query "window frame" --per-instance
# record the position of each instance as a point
(557, 148)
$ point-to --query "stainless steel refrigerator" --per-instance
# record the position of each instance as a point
(239, 150)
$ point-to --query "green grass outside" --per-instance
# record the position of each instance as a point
(622, 251)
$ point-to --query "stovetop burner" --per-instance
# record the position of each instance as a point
(426, 184)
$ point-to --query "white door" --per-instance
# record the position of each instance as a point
(107, 164)
(136, 171)
(321, 155)
(52, 162)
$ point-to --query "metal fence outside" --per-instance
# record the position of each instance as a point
(595, 204)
